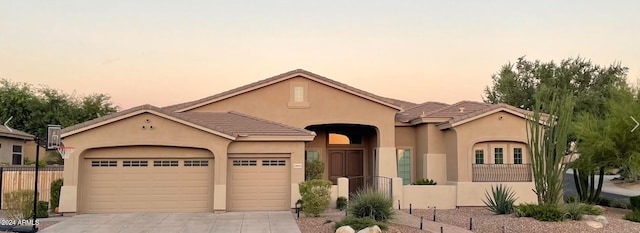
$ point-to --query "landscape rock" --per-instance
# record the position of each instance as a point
(345, 229)
(594, 224)
(601, 219)
(373, 229)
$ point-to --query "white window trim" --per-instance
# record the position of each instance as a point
(21, 154)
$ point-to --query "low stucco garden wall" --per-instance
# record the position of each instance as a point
(472, 194)
(429, 196)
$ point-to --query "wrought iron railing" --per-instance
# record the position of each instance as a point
(378, 183)
(502, 173)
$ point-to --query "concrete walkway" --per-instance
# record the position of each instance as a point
(240, 222)
(406, 219)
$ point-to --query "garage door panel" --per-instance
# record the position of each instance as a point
(148, 189)
(255, 185)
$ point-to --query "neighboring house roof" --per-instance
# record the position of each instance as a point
(230, 125)
(279, 78)
(14, 133)
(419, 110)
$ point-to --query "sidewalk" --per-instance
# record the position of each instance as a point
(406, 219)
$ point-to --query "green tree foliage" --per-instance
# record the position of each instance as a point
(313, 170)
(547, 143)
(316, 196)
(607, 141)
(517, 83)
(32, 108)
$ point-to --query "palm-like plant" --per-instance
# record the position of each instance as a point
(501, 199)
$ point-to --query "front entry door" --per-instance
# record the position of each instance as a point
(347, 163)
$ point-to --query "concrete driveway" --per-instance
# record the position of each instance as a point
(245, 222)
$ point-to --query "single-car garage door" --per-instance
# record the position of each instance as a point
(258, 184)
(148, 185)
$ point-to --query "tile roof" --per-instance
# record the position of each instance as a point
(454, 113)
(401, 103)
(14, 133)
(418, 110)
(239, 124)
(461, 108)
(180, 106)
(229, 123)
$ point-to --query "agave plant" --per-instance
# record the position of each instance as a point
(501, 199)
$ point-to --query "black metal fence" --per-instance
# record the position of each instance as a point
(502, 173)
(378, 183)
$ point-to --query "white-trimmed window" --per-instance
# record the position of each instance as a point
(299, 96)
(403, 159)
(498, 155)
(16, 155)
(479, 156)
(517, 155)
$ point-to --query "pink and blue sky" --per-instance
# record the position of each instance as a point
(166, 52)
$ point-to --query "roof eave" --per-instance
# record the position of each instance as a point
(283, 78)
(276, 138)
(17, 136)
(141, 111)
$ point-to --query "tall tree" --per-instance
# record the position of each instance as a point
(33, 108)
(516, 83)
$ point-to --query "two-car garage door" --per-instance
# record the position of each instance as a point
(125, 183)
(148, 185)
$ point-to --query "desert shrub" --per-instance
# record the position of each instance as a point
(18, 204)
(316, 196)
(635, 203)
(425, 182)
(372, 204)
(604, 201)
(314, 170)
(501, 199)
(360, 223)
(41, 163)
(56, 185)
(42, 209)
(341, 203)
(547, 213)
(576, 210)
(620, 203)
(633, 216)
(571, 199)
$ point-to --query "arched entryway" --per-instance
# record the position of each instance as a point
(347, 150)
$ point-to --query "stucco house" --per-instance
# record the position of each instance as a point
(245, 149)
(13, 145)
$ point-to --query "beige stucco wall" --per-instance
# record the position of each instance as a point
(294, 149)
(6, 149)
(451, 148)
(30, 151)
(429, 196)
(500, 127)
(472, 193)
(129, 132)
(326, 105)
(436, 167)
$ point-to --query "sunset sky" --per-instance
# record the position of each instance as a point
(166, 52)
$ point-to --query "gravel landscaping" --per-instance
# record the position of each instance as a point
(483, 221)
